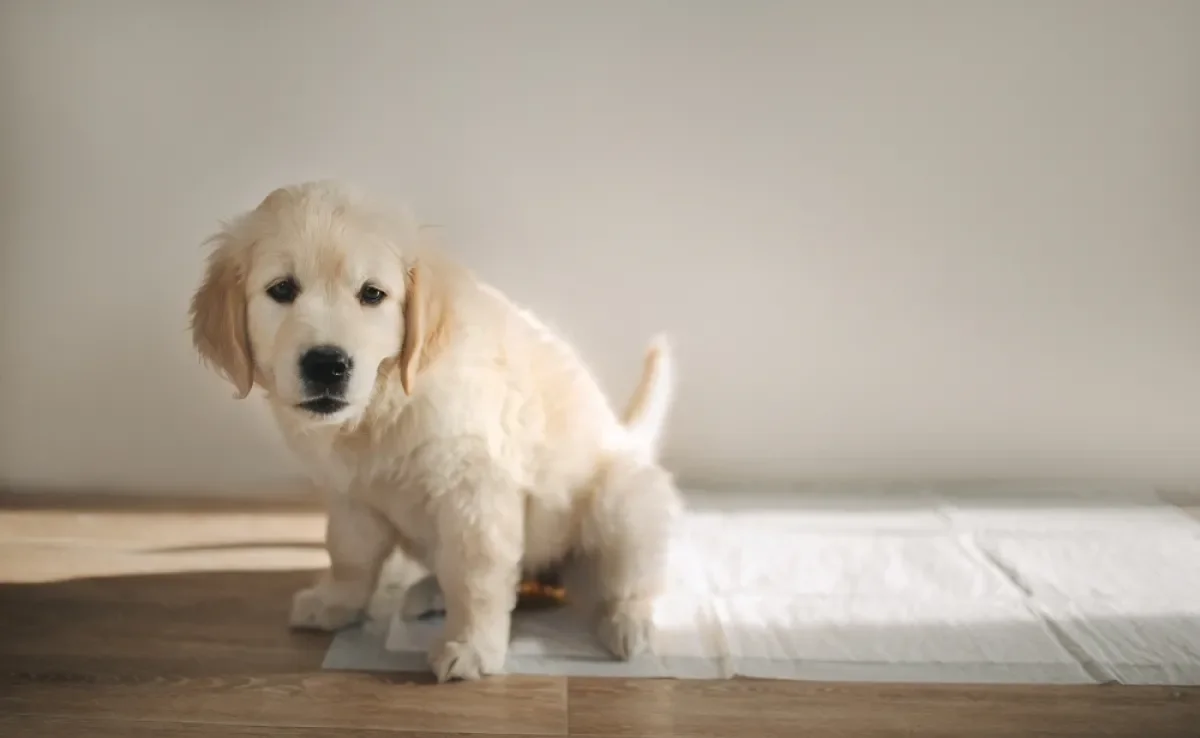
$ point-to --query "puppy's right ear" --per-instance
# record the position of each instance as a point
(414, 330)
(218, 316)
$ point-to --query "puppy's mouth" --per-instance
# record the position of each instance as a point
(323, 405)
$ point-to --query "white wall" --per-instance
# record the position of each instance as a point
(890, 238)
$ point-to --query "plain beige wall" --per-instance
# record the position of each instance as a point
(890, 238)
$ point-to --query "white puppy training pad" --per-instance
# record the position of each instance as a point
(1130, 602)
(926, 587)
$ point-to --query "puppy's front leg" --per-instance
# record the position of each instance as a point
(479, 549)
(358, 540)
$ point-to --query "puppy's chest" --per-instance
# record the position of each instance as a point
(337, 470)
(387, 482)
(328, 470)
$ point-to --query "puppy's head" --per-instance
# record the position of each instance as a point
(311, 296)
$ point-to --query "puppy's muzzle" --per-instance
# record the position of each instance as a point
(325, 371)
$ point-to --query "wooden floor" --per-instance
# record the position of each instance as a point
(139, 620)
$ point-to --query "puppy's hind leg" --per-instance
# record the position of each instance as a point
(626, 535)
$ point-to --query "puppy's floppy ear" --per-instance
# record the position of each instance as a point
(414, 330)
(218, 313)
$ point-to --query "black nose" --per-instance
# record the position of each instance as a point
(325, 367)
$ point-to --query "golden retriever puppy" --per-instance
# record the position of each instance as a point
(448, 424)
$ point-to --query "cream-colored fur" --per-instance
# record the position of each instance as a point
(472, 440)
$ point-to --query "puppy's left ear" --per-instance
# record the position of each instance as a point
(218, 316)
(414, 330)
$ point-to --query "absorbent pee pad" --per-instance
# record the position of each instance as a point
(1078, 587)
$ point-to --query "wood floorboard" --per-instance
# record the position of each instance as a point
(776, 708)
(171, 622)
(326, 700)
(26, 726)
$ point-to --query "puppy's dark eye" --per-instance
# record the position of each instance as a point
(284, 291)
(371, 295)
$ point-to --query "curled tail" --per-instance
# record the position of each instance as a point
(646, 413)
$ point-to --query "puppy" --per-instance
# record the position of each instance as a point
(449, 425)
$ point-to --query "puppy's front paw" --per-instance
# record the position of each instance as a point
(625, 633)
(465, 661)
(323, 608)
